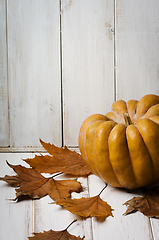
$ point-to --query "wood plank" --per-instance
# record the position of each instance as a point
(51, 216)
(155, 227)
(4, 123)
(135, 226)
(28, 150)
(88, 61)
(34, 72)
(137, 45)
(16, 221)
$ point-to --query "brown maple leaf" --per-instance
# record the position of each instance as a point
(33, 184)
(13, 181)
(62, 160)
(54, 235)
(148, 204)
(87, 207)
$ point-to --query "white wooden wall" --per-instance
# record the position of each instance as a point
(63, 60)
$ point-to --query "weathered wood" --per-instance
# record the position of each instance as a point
(137, 47)
(155, 228)
(16, 220)
(88, 60)
(4, 123)
(34, 72)
(135, 226)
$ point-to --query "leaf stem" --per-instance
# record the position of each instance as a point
(57, 174)
(71, 223)
(106, 184)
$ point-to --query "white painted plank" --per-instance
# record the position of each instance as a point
(134, 227)
(51, 216)
(16, 221)
(4, 124)
(137, 45)
(88, 44)
(155, 228)
(34, 72)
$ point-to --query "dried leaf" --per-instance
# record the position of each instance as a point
(32, 183)
(148, 204)
(62, 160)
(54, 235)
(87, 207)
(14, 181)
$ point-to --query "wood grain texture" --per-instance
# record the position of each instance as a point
(4, 123)
(34, 72)
(88, 44)
(155, 227)
(135, 226)
(88, 58)
(16, 220)
(137, 47)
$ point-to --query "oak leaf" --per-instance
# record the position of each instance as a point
(87, 207)
(33, 184)
(148, 204)
(62, 160)
(54, 235)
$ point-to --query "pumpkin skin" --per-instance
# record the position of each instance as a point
(122, 147)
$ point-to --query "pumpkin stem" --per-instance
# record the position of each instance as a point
(127, 119)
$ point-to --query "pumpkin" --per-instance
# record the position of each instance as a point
(122, 147)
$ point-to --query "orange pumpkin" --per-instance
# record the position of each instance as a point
(122, 147)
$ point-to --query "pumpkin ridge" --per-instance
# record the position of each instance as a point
(140, 157)
(155, 119)
(120, 157)
(93, 152)
(119, 107)
(82, 135)
(131, 107)
(93, 126)
(115, 171)
(85, 144)
(150, 144)
(152, 111)
(131, 162)
(113, 116)
(148, 153)
(130, 156)
(101, 152)
(145, 103)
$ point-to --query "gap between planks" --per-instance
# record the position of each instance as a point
(30, 150)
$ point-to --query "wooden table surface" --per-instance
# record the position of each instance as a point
(19, 220)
